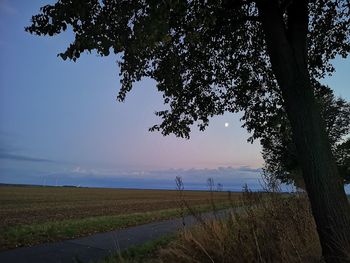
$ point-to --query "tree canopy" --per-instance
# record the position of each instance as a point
(207, 57)
(279, 150)
(342, 155)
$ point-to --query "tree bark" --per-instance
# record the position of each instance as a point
(287, 47)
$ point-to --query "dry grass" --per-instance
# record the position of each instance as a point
(35, 205)
(269, 228)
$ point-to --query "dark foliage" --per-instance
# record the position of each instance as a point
(207, 57)
(279, 150)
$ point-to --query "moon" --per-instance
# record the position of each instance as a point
(226, 124)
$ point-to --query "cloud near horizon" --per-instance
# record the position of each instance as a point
(52, 172)
(9, 154)
(172, 172)
(193, 178)
(15, 157)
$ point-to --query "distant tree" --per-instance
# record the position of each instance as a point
(211, 184)
(219, 187)
(342, 154)
(279, 150)
(209, 57)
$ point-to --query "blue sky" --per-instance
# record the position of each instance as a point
(60, 122)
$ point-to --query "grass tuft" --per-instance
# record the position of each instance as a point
(145, 253)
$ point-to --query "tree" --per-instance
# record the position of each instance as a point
(209, 57)
(279, 151)
(342, 154)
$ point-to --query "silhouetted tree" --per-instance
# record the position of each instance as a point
(279, 150)
(209, 57)
(219, 187)
(342, 154)
(211, 184)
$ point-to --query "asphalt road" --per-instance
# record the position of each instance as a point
(98, 246)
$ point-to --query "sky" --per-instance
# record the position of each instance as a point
(60, 123)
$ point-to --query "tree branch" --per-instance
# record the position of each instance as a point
(232, 4)
(252, 18)
(285, 4)
(297, 29)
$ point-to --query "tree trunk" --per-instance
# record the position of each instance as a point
(287, 48)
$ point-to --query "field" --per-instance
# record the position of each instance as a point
(31, 215)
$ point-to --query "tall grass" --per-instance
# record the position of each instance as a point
(264, 227)
(269, 227)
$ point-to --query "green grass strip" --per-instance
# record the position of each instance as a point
(142, 253)
(27, 235)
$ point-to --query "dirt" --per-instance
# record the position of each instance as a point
(32, 205)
